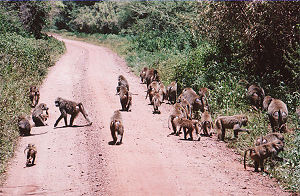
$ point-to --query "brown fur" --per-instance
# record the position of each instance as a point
(72, 108)
(34, 96)
(156, 102)
(40, 115)
(122, 81)
(24, 126)
(151, 75)
(125, 98)
(171, 92)
(206, 123)
(117, 128)
(269, 138)
(231, 122)
(162, 91)
(178, 112)
(256, 96)
(187, 108)
(143, 74)
(194, 100)
(259, 153)
(31, 154)
(188, 127)
(266, 102)
(278, 114)
(153, 88)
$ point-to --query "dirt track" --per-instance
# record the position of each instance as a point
(79, 161)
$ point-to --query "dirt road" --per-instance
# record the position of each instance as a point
(79, 161)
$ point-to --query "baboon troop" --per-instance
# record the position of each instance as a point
(256, 95)
(117, 128)
(72, 108)
(40, 115)
(31, 154)
(125, 98)
(234, 122)
(34, 96)
(24, 126)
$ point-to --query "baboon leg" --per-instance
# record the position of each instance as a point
(261, 162)
(191, 134)
(256, 166)
(272, 123)
(237, 129)
(59, 118)
(33, 159)
(119, 139)
(174, 126)
(184, 132)
(72, 120)
(223, 134)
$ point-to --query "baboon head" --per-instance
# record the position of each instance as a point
(244, 120)
(43, 106)
(57, 101)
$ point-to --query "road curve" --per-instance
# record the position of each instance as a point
(79, 161)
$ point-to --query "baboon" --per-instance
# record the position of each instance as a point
(266, 102)
(151, 75)
(125, 98)
(190, 125)
(259, 153)
(187, 108)
(31, 154)
(162, 91)
(143, 75)
(278, 114)
(152, 89)
(122, 82)
(172, 92)
(269, 138)
(72, 108)
(298, 111)
(117, 128)
(156, 103)
(234, 122)
(34, 95)
(256, 96)
(194, 100)
(178, 112)
(40, 115)
(204, 93)
(206, 123)
(24, 126)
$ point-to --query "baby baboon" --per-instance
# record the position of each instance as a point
(24, 126)
(190, 125)
(172, 92)
(256, 95)
(122, 82)
(152, 89)
(269, 138)
(125, 98)
(116, 128)
(156, 103)
(151, 75)
(278, 114)
(40, 115)
(31, 154)
(34, 95)
(178, 112)
(259, 153)
(266, 102)
(72, 108)
(206, 123)
(231, 122)
(143, 74)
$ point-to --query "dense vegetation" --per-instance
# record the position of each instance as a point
(25, 55)
(208, 44)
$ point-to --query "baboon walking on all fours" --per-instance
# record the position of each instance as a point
(24, 126)
(31, 154)
(259, 153)
(116, 128)
(40, 115)
(278, 114)
(188, 127)
(178, 112)
(72, 108)
(206, 123)
(234, 122)
(125, 98)
(34, 95)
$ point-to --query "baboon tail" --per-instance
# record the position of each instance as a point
(245, 156)
(82, 110)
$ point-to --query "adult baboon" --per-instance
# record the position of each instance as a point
(72, 108)
(194, 100)
(172, 92)
(259, 153)
(187, 108)
(153, 88)
(143, 75)
(162, 91)
(122, 82)
(151, 75)
(204, 93)
(34, 95)
(156, 102)
(125, 98)
(234, 122)
(40, 115)
(31, 154)
(188, 127)
(278, 114)
(117, 128)
(206, 123)
(178, 112)
(24, 126)
(266, 102)
(269, 138)
(256, 96)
